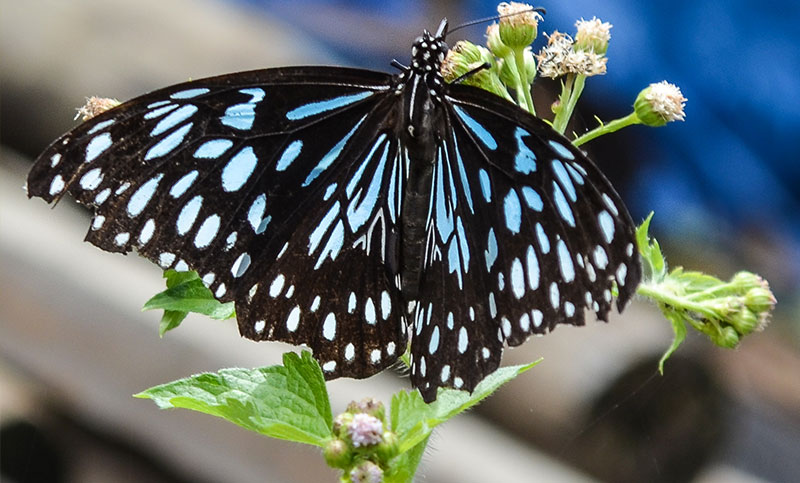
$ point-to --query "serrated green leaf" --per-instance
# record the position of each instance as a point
(413, 420)
(287, 402)
(186, 293)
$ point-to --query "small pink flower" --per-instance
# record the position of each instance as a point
(365, 430)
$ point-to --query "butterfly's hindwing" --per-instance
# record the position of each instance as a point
(524, 233)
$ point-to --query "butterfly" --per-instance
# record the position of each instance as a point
(354, 211)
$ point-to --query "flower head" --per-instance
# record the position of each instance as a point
(366, 472)
(365, 430)
(559, 57)
(94, 106)
(519, 24)
(660, 103)
(592, 35)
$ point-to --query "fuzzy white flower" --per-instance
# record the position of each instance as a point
(666, 100)
(559, 57)
(593, 35)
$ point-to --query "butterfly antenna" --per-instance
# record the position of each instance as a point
(539, 10)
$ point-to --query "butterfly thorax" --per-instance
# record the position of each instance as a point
(422, 86)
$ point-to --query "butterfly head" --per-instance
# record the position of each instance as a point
(429, 50)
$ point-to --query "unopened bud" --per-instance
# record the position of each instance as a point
(660, 103)
(518, 24)
(337, 454)
(592, 35)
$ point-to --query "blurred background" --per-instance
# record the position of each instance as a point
(725, 187)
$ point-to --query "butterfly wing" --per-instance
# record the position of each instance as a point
(524, 233)
(272, 184)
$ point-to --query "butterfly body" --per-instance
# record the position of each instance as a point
(352, 210)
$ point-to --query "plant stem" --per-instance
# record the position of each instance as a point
(665, 297)
(577, 90)
(606, 128)
(523, 87)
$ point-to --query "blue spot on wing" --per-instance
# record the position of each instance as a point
(525, 159)
(476, 128)
(486, 188)
(329, 158)
(512, 211)
(289, 155)
(314, 108)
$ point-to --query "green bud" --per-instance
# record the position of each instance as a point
(744, 321)
(519, 24)
(465, 57)
(495, 43)
(508, 69)
(340, 423)
(745, 281)
(370, 406)
(727, 338)
(387, 449)
(659, 103)
(337, 454)
(530, 65)
(760, 299)
(462, 58)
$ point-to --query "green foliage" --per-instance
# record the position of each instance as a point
(186, 293)
(286, 402)
(290, 402)
(723, 311)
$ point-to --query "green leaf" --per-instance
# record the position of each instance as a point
(679, 329)
(286, 402)
(170, 320)
(404, 466)
(413, 420)
(186, 293)
(650, 251)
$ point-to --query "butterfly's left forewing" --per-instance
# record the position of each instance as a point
(524, 233)
(271, 184)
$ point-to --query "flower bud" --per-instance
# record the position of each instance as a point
(465, 57)
(744, 321)
(760, 300)
(337, 454)
(340, 423)
(727, 338)
(366, 472)
(659, 103)
(370, 406)
(387, 449)
(592, 35)
(518, 24)
(744, 281)
(365, 430)
(495, 43)
(94, 106)
(462, 58)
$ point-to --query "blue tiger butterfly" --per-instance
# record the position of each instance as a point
(353, 211)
